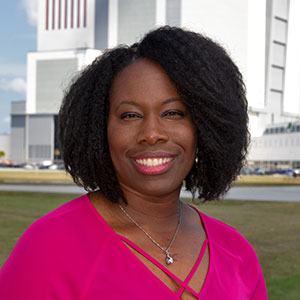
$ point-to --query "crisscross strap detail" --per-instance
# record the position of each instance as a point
(184, 284)
(194, 269)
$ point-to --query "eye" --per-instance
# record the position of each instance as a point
(173, 114)
(130, 116)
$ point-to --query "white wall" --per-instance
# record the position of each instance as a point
(291, 103)
(83, 57)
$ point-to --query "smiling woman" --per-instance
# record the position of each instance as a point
(134, 126)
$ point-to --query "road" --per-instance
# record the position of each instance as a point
(273, 193)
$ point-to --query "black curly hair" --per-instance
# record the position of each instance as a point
(211, 87)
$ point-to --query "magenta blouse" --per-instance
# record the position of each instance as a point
(72, 253)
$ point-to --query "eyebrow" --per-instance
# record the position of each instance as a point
(171, 100)
(136, 104)
(127, 102)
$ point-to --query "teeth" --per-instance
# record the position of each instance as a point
(153, 162)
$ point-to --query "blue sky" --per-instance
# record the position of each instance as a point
(18, 36)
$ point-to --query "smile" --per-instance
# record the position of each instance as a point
(153, 165)
(153, 162)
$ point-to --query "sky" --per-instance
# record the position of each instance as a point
(18, 37)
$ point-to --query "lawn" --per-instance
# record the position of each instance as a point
(34, 176)
(266, 180)
(271, 227)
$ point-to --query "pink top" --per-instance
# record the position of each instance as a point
(72, 253)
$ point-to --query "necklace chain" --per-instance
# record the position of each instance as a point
(169, 259)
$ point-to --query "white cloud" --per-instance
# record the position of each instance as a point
(6, 119)
(14, 70)
(17, 85)
(31, 9)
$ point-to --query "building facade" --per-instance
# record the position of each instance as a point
(278, 147)
(276, 135)
(260, 35)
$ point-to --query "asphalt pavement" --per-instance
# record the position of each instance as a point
(270, 193)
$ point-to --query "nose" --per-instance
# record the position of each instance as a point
(151, 131)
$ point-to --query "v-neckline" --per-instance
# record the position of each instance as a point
(119, 238)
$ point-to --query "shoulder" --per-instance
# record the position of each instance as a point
(234, 259)
(224, 234)
(70, 223)
(228, 240)
(63, 244)
(62, 236)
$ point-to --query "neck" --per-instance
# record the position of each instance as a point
(151, 206)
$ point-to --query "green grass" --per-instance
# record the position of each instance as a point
(271, 227)
(32, 176)
(266, 180)
(18, 210)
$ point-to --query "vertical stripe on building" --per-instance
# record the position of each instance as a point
(53, 14)
(59, 14)
(78, 13)
(84, 14)
(66, 13)
(72, 13)
(47, 14)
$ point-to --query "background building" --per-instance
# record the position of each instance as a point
(70, 36)
(276, 134)
(260, 35)
(278, 147)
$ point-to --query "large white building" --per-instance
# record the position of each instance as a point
(260, 35)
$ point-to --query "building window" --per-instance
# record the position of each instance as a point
(277, 77)
(40, 151)
(281, 8)
(278, 54)
(280, 30)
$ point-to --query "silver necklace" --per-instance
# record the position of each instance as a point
(169, 258)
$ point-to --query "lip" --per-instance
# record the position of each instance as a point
(153, 170)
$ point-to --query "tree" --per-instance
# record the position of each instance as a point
(2, 154)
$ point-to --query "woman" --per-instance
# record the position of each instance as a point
(134, 126)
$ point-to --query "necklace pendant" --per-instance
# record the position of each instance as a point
(169, 258)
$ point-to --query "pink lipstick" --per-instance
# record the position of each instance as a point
(153, 163)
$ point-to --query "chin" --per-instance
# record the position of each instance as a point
(158, 190)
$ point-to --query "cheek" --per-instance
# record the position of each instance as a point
(186, 137)
(118, 140)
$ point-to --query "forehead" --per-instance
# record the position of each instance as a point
(143, 79)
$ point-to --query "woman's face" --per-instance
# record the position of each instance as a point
(151, 137)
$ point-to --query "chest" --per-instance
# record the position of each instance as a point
(129, 277)
(186, 271)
